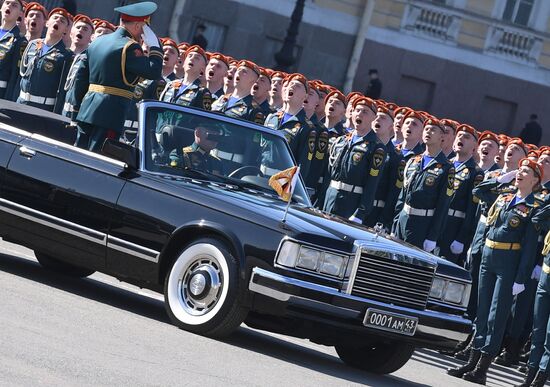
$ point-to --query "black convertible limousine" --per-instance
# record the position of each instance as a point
(218, 245)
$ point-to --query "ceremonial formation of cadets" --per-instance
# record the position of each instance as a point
(477, 199)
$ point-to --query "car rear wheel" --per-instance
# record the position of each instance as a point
(378, 358)
(50, 263)
(202, 288)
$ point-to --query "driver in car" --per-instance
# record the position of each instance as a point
(198, 155)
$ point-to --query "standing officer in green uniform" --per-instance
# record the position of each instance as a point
(355, 174)
(12, 45)
(506, 264)
(45, 65)
(537, 365)
(81, 34)
(423, 203)
(114, 66)
(239, 103)
(460, 225)
(391, 179)
(188, 90)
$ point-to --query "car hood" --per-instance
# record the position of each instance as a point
(305, 224)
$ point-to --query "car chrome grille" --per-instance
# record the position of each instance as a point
(392, 281)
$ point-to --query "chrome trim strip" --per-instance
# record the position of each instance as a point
(133, 249)
(15, 130)
(52, 221)
(282, 296)
(79, 231)
(72, 148)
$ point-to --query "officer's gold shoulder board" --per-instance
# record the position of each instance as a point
(188, 149)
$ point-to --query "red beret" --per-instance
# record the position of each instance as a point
(414, 114)
(34, 6)
(520, 143)
(198, 50)
(63, 12)
(384, 109)
(251, 65)
(537, 168)
(401, 110)
(544, 150)
(352, 95)
(278, 75)
(468, 129)
(169, 42)
(366, 101)
(84, 19)
(338, 94)
(432, 121)
(220, 57)
(300, 78)
(450, 123)
(488, 135)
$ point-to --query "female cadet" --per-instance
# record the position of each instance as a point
(537, 366)
(506, 264)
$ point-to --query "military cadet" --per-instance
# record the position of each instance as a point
(358, 160)
(506, 265)
(217, 68)
(488, 149)
(412, 129)
(240, 103)
(260, 91)
(461, 222)
(322, 90)
(45, 65)
(391, 179)
(335, 109)
(35, 20)
(537, 365)
(113, 67)
(188, 90)
(317, 140)
(171, 55)
(423, 203)
(296, 126)
(12, 45)
(399, 117)
(198, 155)
(178, 68)
(229, 79)
(102, 27)
(449, 139)
(81, 32)
(522, 310)
(348, 124)
(503, 141)
(275, 91)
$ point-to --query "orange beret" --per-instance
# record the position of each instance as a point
(300, 78)
(488, 135)
(352, 95)
(468, 129)
(265, 72)
(414, 114)
(450, 123)
(63, 12)
(34, 6)
(519, 142)
(84, 19)
(338, 94)
(365, 101)
(220, 57)
(384, 110)
(533, 154)
(105, 24)
(402, 110)
(169, 42)
(537, 168)
(182, 47)
(391, 106)
(531, 146)
(197, 49)
(278, 75)
(251, 65)
(544, 150)
(432, 121)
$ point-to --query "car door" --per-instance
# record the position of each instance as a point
(59, 199)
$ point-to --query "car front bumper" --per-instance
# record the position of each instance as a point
(345, 313)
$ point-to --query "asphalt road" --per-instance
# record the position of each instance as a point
(60, 331)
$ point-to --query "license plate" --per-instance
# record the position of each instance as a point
(390, 322)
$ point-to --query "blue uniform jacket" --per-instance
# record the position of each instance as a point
(12, 46)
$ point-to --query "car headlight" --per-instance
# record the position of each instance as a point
(438, 286)
(292, 254)
(454, 292)
(450, 291)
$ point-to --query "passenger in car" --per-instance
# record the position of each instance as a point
(198, 155)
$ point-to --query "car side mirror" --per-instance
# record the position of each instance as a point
(122, 152)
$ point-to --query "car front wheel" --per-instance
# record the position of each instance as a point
(201, 290)
(378, 358)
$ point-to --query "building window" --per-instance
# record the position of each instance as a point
(214, 34)
(518, 11)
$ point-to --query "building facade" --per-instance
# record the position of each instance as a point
(483, 62)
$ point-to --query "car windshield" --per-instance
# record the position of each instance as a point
(184, 143)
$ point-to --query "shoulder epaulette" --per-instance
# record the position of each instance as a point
(188, 149)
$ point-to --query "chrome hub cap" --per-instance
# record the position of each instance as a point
(200, 286)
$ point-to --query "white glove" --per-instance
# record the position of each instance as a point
(457, 247)
(507, 177)
(429, 246)
(517, 289)
(536, 273)
(149, 37)
(355, 219)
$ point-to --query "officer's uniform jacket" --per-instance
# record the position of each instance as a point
(193, 95)
(245, 109)
(463, 204)
(541, 220)
(391, 183)
(543, 199)
(12, 46)
(43, 75)
(317, 154)
(115, 64)
(72, 105)
(511, 224)
(426, 188)
(194, 157)
(354, 176)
